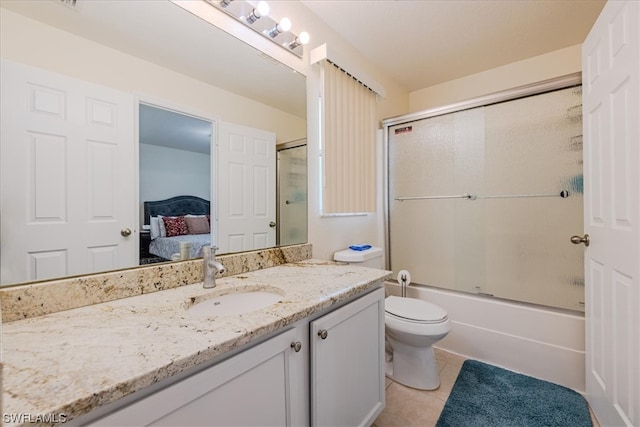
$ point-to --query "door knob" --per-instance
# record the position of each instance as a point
(576, 240)
(272, 224)
(125, 232)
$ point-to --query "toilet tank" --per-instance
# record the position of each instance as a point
(368, 258)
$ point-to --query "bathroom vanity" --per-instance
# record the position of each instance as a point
(153, 360)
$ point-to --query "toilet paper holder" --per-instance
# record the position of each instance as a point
(404, 278)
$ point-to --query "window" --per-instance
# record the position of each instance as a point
(348, 143)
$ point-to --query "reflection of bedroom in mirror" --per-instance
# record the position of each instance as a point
(175, 184)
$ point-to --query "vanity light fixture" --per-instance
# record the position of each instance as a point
(261, 10)
(255, 16)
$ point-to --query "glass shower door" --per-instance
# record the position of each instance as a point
(484, 200)
(292, 195)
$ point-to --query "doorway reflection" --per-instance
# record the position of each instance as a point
(174, 161)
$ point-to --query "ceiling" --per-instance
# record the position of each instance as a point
(173, 130)
(420, 43)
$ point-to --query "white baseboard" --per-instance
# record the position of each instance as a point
(543, 343)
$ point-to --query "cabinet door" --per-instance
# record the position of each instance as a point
(253, 388)
(347, 363)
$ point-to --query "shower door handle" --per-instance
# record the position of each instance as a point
(576, 240)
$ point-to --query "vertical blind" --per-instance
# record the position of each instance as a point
(349, 144)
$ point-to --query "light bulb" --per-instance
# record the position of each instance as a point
(282, 26)
(303, 38)
(263, 8)
(285, 24)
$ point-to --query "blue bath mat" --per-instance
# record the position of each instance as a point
(485, 395)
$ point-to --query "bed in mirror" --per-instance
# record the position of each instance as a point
(157, 55)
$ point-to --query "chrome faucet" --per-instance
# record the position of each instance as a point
(211, 266)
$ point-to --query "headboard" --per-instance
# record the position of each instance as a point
(176, 206)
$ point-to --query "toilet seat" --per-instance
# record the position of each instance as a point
(414, 310)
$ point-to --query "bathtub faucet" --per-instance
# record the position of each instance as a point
(211, 266)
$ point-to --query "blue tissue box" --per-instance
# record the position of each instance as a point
(361, 247)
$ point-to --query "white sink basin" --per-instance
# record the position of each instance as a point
(234, 303)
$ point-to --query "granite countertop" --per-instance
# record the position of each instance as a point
(74, 361)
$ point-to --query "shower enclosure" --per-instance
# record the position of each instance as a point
(291, 212)
(484, 197)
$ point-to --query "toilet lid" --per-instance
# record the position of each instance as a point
(414, 310)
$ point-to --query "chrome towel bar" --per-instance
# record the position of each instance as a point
(563, 194)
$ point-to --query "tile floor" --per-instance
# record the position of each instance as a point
(408, 407)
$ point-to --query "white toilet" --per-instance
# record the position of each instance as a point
(412, 327)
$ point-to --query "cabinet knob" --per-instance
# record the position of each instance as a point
(322, 333)
(297, 345)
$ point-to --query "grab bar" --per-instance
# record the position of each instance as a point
(563, 194)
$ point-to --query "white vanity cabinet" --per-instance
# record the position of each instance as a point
(257, 387)
(325, 370)
(347, 363)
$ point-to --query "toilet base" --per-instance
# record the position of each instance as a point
(414, 367)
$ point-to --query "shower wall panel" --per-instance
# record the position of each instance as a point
(475, 199)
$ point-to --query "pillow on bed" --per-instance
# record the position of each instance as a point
(155, 227)
(175, 226)
(197, 224)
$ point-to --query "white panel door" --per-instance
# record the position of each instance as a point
(611, 98)
(246, 188)
(67, 176)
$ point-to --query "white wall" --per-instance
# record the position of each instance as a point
(329, 234)
(538, 68)
(168, 172)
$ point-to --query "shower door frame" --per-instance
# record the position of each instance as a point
(544, 86)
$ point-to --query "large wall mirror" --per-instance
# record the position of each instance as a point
(169, 81)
